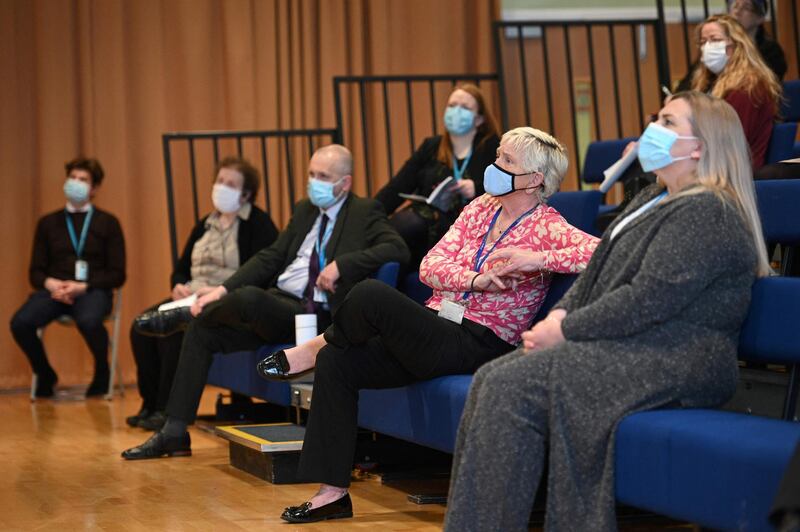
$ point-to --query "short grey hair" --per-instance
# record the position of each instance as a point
(344, 159)
(539, 152)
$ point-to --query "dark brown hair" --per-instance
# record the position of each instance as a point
(252, 177)
(485, 131)
(90, 165)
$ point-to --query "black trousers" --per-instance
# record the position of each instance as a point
(380, 339)
(156, 363)
(243, 320)
(89, 310)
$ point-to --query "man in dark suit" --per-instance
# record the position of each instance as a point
(334, 240)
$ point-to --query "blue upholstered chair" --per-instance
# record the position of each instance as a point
(579, 208)
(781, 143)
(790, 109)
(600, 155)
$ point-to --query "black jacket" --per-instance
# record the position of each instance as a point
(255, 233)
(362, 240)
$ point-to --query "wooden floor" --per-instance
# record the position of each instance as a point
(60, 469)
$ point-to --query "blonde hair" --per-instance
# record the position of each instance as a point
(724, 167)
(539, 152)
(745, 69)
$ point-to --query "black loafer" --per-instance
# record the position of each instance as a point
(339, 509)
(159, 445)
(133, 421)
(155, 323)
(276, 368)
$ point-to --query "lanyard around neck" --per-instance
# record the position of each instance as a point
(480, 258)
(458, 171)
(78, 245)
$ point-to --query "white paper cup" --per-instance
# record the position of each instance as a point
(305, 327)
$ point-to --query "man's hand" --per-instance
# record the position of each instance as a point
(465, 187)
(208, 296)
(546, 333)
(179, 291)
(74, 289)
(327, 277)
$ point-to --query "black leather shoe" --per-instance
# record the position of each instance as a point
(99, 385)
(133, 421)
(160, 445)
(45, 386)
(276, 368)
(339, 509)
(155, 323)
(154, 421)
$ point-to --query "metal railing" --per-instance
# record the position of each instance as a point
(374, 112)
(539, 68)
(279, 154)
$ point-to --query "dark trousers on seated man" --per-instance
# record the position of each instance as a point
(243, 320)
(88, 311)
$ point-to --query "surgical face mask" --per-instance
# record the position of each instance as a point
(714, 56)
(226, 199)
(76, 191)
(458, 120)
(321, 192)
(655, 145)
(499, 182)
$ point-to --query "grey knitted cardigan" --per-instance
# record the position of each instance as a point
(652, 322)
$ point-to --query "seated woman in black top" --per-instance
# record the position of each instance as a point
(218, 244)
(468, 145)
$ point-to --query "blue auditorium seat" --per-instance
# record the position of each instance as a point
(778, 201)
(790, 110)
(781, 143)
(579, 208)
(600, 155)
(715, 468)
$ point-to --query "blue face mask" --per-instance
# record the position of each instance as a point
(76, 191)
(458, 120)
(499, 182)
(321, 192)
(655, 145)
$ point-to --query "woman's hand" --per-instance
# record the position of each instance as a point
(465, 187)
(508, 261)
(205, 297)
(488, 281)
(546, 333)
(180, 291)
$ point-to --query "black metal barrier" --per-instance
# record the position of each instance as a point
(280, 155)
(541, 65)
(374, 112)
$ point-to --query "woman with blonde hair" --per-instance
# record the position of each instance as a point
(652, 322)
(731, 68)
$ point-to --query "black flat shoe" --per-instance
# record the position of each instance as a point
(133, 421)
(159, 445)
(45, 386)
(276, 368)
(155, 323)
(338, 509)
(154, 421)
(99, 385)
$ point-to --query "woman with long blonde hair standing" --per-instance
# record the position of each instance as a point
(731, 68)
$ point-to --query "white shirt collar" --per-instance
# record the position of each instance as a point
(85, 208)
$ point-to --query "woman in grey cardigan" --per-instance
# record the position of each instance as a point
(652, 322)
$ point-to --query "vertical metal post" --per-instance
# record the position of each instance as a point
(498, 54)
(410, 107)
(523, 74)
(662, 53)
(571, 89)
(634, 49)
(289, 170)
(685, 35)
(362, 90)
(337, 104)
(615, 79)
(594, 81)
(550, 115)
(173, 232)
(388, 122)
(432, 94)
(195, 207)
(265, 169)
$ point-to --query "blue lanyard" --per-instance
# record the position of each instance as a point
(480, 258)
(322, 241)
(78, 246)
(458, 172)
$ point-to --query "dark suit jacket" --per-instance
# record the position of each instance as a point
(362, 240)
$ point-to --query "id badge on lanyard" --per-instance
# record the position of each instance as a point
(81, 270)
(452, 311)
(81, 265)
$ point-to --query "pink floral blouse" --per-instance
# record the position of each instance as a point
(448, 267)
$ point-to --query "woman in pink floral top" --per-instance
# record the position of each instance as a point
(490, 273)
